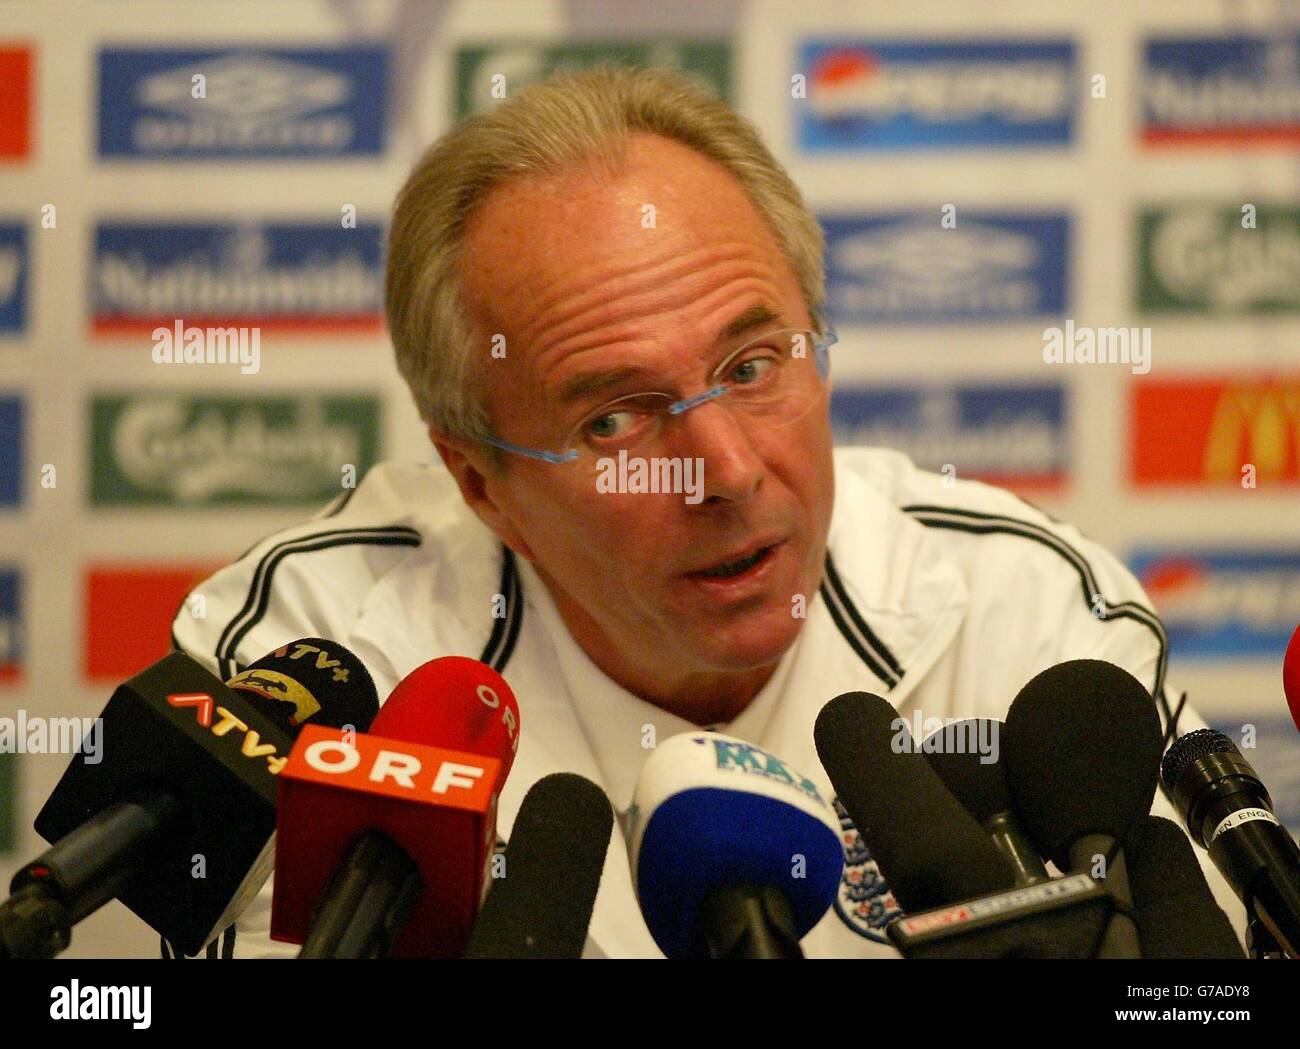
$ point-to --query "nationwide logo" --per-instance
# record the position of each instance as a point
(1223, 603)
(1204, 432)
(199, 103)
(486, 76)
(128, 615)
(318, 278)
(903, 268)
(12, 451)
(926, 94)
(1014, 435)
(182, 451)
(15, 102)
(13, 278)
(1198, 258)
(1228, 90)
(12, 645)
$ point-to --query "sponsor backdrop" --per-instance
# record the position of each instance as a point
(1119, 182)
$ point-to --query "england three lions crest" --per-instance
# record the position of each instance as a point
(864, 902)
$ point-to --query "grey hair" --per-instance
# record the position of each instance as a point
(568, 119)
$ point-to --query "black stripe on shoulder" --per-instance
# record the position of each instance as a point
(228, 941)
(869, 636)
(259, 593)
(505, 631)
(976, 523)
(341, 502)
(854, 630)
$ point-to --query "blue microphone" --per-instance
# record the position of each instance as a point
(733, 853)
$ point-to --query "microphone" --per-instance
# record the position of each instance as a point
(383, 839)
(930, 849)
(1175, 910)
(733, 853)
(177, 822)
(1082, 763)
(1291, 677)
(541, 906)
(1229, 813)
(982, 789)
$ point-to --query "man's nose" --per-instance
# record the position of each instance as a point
(733, 469)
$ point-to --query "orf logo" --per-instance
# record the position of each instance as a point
(1257, 425)
(864, 901)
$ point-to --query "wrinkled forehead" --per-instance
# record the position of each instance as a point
(543, 251)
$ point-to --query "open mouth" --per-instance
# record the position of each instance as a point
(734, 568)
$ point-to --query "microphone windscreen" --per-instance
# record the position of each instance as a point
(455, 703)
(541, 905)
(930, 849)
(1176, 913)
(1291, 676)
(311, 681)
(712, 812)
(1083, 754)
(952, 752)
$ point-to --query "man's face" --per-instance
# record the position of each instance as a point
(571, 272)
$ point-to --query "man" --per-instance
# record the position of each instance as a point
(611, 269)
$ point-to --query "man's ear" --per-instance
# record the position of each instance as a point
(481, 486)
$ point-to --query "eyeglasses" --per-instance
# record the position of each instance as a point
(775, 378)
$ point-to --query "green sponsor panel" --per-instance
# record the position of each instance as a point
(166, 449)
(9, 803)
(1216, 259)
(485, 76)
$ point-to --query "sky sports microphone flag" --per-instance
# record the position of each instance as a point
(177, 820)
(384, 838)
(734, 854)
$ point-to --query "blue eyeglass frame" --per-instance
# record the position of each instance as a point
(821, 355)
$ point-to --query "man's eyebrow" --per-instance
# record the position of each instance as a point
(582, 386)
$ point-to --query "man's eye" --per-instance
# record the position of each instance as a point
(611, 424)
(750, 371)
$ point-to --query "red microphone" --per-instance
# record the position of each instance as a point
(1291, 676)
(383, 839)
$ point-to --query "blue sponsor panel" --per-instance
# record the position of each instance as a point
(12, 647)
(1013, 434)
(1223, 603)
(927, 94)
(1227, 89)
(306, 277)
(173, 103)
(11, 451)
(904, 268)
(14, 264)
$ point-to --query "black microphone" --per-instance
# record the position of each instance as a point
(1082, 763)
(981, 786)
(541, 906)
(1176, 914)
(1230, 814)
(930, 849)
(177, 822)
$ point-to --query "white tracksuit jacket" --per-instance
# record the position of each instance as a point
(945, 597)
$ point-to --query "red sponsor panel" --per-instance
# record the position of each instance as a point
(16, 66)
(1210, 432)
(128, 615)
